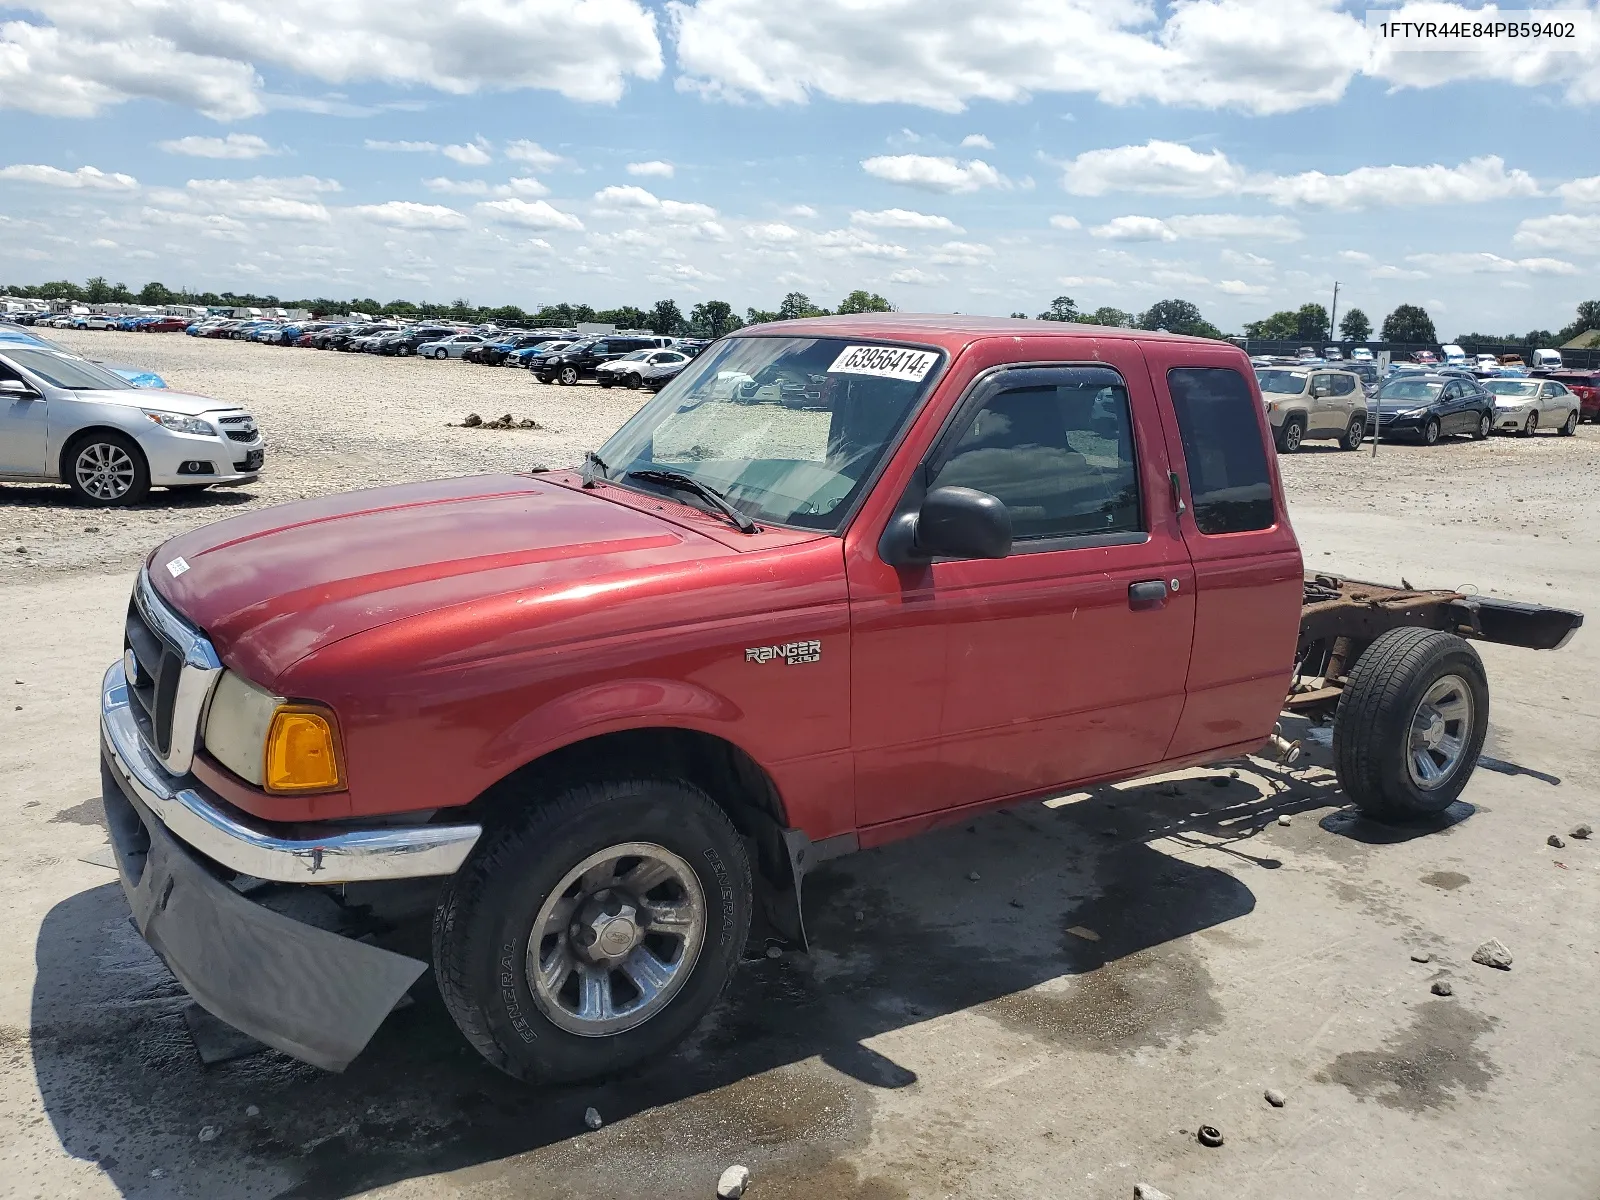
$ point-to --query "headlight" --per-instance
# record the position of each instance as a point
(265, 740)
(181, 424)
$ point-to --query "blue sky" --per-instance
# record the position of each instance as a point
(981, 158)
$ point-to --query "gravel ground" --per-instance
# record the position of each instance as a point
(386, 420)
(332, 422)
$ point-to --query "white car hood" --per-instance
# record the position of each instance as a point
(183, 403)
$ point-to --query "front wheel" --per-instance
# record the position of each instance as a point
(1411, 724)
(595, 930)
(1484, 426)
(441, 354)
(1430, 432)
(1531, 425)
(107, 469)
(1570, 426)
(568, 376)
(633, 380)
(1355, 434)
(604, 381)
(1290, 435)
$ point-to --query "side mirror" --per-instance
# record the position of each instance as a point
(15, 387)
(1319, 390)
(953, 522)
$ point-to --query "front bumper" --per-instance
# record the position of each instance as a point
(231, 461)
(312, 994)
(1511, 418)
(1397, 426)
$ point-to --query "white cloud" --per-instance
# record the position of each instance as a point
(1243, 258)
(1238, 287)
(803, 211)
(91, 57)
(402, 147)
(629, 198)
(1464, 263)
(469, 154)
(964, 254)
(1135, 229)
(407, 214)
(1562, 231)
(976, 141)
(529, 214)
(281, 208)
(1248, 55)
(235, 145)
(903, 218)
(535, 155)
(850, 243)
(935, 174)
(456, 187)
(1390, 271)
(1085, 281)
(1156, 168)
(655, 168)
(1355, 256)
(1472, 182)
(1064, 222)
(916, 277)
(774, 233)
(1581, 193)
(84, 177)
(1220, 226)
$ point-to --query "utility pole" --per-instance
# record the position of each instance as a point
(1333, 317)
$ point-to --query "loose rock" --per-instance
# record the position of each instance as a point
(91, 529)
(1493, 953)
(732, 1183)
(252, 1111)
(208, 1133)
(974, 876)
(1421, 956)
(1276, 1098)
(591, 1118)
(1143, 1191)
(1442, 987)
(1581, 832)
(774, 951)
(860, 916)
(1285, 819)
(471, 419)
(1555, 840)
(1015, 903)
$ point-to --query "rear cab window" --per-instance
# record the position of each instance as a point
(1230, 483)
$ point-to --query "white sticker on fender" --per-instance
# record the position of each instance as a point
(890, 362)
(177, 566)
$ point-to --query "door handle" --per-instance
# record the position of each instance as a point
(1149, 591)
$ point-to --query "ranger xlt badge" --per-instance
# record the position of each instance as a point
(792, 653)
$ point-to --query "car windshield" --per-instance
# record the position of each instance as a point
(1512, 387)
(74, 374)
(788, 429)
(1410, 389)
(634, 356)
(1290, 382)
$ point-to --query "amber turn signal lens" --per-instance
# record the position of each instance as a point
(303, 752)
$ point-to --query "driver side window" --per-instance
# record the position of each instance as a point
(1059, 456)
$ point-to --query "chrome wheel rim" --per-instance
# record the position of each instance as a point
(1440, 730)
(616, 939)
(104, 471)
(1483, 428)
(1357, 433)
(569, 376)
(1291, 437)
(1431, 433)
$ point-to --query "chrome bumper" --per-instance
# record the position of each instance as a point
(306, 853)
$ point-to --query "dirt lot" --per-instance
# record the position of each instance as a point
(1176, 951)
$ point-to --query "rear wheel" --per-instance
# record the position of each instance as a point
(1570, 425)
(1410, 724)
(106, 469)
(1484, 426)
(595, 930)
(1355, 433)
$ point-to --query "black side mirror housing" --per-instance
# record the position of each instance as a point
(953, 522)
(15, 387)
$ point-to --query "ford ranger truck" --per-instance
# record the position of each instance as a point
(843, 581)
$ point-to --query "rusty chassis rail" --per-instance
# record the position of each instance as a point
(1340, 618)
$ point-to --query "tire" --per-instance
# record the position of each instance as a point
(441, 353)
(1430, 432)
(1291, 435)
(483, 927)
(604, 381)
(1485, 427)
(106, 469)
(1570, 425)
(1378, 738)
(568, 376)
(1355, 434)
(1531, 426)
(633, 381)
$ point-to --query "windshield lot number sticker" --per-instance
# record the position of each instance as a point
(890, 362)
(792, 653)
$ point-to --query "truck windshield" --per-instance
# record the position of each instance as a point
(788, 429)
(1289, 382)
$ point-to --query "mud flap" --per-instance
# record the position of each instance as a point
(312, 994)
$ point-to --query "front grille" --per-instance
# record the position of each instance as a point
(155, 691)
(171, 668)
(242, 435)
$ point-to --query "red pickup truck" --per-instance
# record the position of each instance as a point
(843, 581)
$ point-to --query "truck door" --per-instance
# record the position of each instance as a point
(1248, 575)
(979, 679)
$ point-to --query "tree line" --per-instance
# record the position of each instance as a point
(710, 318)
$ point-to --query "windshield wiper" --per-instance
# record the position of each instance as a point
(689, 483)
(590, 458)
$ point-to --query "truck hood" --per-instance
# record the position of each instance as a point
(273, 586)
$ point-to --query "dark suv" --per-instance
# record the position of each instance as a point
(579, 360)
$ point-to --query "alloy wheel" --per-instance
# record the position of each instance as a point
(1440, 729)
(104, 471)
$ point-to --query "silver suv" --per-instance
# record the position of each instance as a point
(63, 418)
(1306, 402)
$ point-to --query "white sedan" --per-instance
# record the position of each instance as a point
(1526, 406)
(450, 347)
